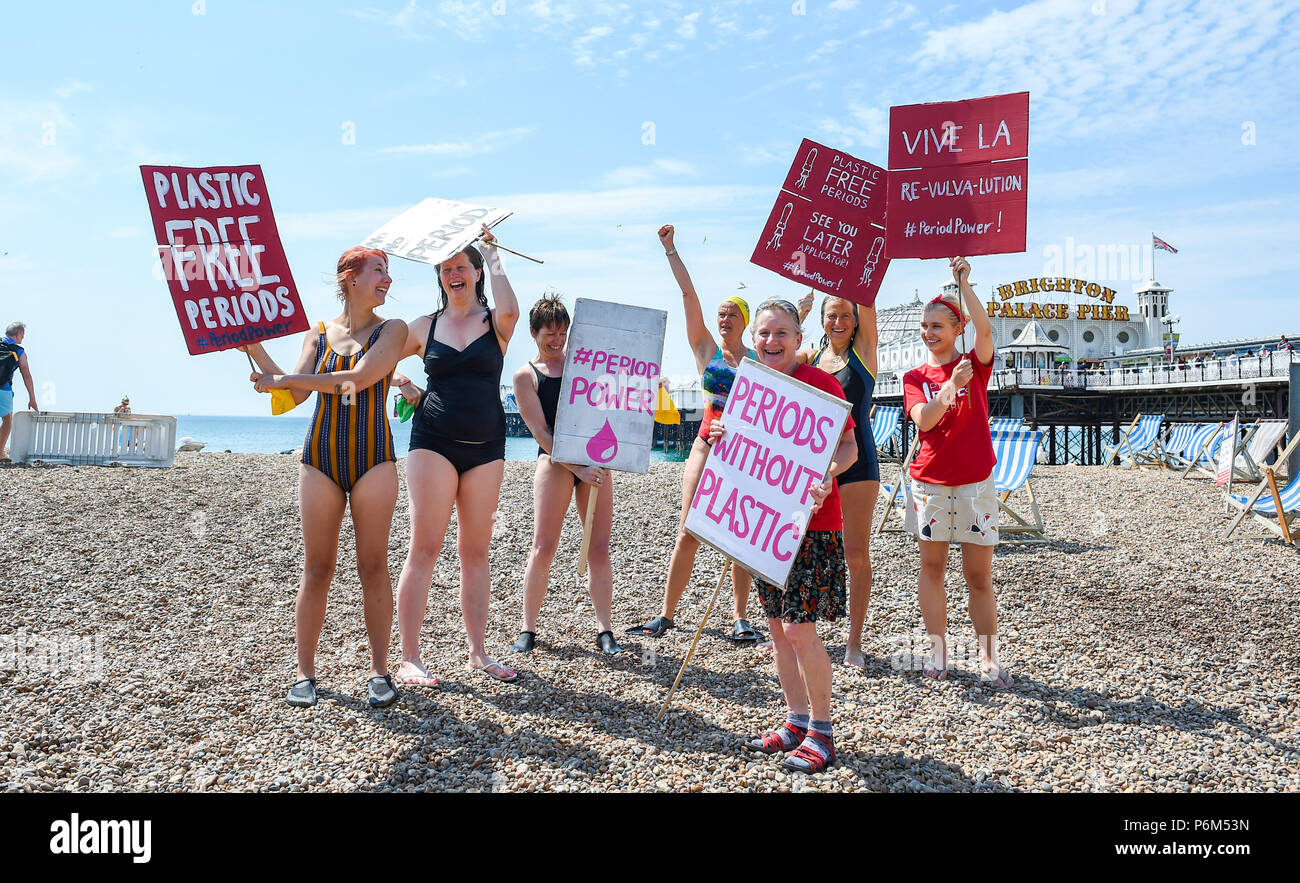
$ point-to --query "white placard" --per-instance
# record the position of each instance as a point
(434, 230)
(752, 503)
(611, 382)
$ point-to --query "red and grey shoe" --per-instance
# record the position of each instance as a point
(783, 738)
(806, 759)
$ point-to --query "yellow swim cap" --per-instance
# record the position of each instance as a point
(740, 302)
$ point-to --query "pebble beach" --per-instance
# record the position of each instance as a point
(1149, 654)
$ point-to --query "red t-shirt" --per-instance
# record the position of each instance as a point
(958, 450)
(829, 516)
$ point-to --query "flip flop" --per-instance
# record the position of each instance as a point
(655, 628)
(497, 671)
(744, 633)
(424, 680)
(939, 674)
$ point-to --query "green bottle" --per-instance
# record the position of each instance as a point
(402, 409)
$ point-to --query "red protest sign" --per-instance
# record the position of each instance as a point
(947, 133)
(958, 182)
(826, 228)
(966, 210)
(221, 255)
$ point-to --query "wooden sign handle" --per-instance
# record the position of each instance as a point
(586, 530)
(726, 568)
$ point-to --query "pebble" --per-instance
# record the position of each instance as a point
(1140, 665)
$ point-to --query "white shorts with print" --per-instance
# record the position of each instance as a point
(967, 513)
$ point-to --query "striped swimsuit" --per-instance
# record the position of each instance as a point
(345, 441)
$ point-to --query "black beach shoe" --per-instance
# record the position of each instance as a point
(744, 633)
(380, 691)
(655, 628)
(605, 641)
(524, 643)
(303, 693)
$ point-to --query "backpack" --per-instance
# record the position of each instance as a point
(9, 355)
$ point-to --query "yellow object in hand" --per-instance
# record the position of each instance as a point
(282, 402)
(665, 410)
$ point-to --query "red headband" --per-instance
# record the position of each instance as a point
(961, 320)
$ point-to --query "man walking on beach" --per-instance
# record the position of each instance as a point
(12, 358)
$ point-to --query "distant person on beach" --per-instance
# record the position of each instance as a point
(537, 390)
(124, 407)
(848, 353)
(814, 590)
(347, 461)
(951, 497)
(1284, 344)
(13, 358)
(458, 449)
(717, 362)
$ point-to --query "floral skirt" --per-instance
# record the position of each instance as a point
(815, 589)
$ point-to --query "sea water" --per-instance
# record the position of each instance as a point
(272, 435)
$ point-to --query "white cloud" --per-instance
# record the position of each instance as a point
(824, 49)
(630, 176)
(479, 144)
(582, 51)
(71, 88)
(843, 5)
(686, 30)
(452, 172)
(862, 126)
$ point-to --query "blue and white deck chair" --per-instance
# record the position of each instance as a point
(1175, 442)
(1136, 447)
(1278, 511)
(1263, 441)
(1201, 450)
(1005, 424)
(894, 497)
(1017, 451)
(884, 425)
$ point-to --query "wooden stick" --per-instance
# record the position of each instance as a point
(586, 530)
(496, 244)
(726, 568)
(1277, 501)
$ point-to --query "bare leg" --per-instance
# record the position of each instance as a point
(476, 507)
(787, 669)
(373, 499)
(600, 570)
(683, 558)
(934, 602)
(320, 502)
(552, 491)
(6, 425)
(977, 567)
(431, 487)
(814, 666)
(858, 500)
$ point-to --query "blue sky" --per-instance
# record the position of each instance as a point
(1177, 117)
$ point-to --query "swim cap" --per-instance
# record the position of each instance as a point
(744, 307)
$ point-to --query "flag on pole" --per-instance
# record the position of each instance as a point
(1227, 453)
(1157, 242)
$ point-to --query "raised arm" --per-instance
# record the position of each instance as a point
(868, 337)
(979, 318)
(378, 362)
(697, 331)
(506, 312)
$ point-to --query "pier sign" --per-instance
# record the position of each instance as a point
(752, 502)
(826, 229)
(434, 230)
(221, 256)
(959, 177)
(610, 386)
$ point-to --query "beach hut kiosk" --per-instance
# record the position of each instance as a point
(1034, 355)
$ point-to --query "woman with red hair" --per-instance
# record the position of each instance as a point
(347, 461)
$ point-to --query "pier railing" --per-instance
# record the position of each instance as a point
(1208, 371)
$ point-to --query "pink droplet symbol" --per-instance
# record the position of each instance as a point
(603, 446)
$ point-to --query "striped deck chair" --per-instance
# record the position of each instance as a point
(894, 498)
(1136, 445)
(1278, 511)
(1175, 443)
(1005, 424)
(1263, 440)
(1017, 452)
(884, 425)
(1201, 450)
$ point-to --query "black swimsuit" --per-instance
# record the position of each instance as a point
(460, 416)
(548, 392)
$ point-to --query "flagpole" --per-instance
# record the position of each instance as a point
(1153, 256)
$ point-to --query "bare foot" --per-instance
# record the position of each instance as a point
(413, 674)
(855, 657)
